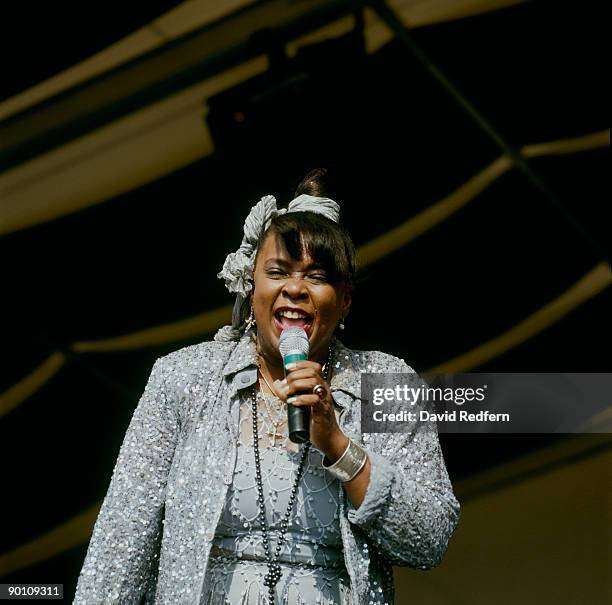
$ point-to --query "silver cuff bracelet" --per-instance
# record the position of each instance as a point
(349, 464)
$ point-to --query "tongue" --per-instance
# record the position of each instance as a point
(292, 323)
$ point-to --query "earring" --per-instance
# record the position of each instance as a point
(341, 325)
(250, 321)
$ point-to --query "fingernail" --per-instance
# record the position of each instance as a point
(292, 399)
(291, 366)
(281, 384)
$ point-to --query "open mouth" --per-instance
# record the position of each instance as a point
(287, 317)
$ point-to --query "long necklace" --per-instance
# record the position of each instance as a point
(275, 420)
(274, 569)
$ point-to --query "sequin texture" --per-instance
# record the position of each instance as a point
(168, 495)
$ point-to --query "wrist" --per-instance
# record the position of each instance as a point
(349, 465)
(336, 447)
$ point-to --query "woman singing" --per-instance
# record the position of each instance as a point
(211, 503)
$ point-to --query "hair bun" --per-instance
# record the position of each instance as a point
(314, 183)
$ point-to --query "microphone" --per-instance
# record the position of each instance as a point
(294, 346)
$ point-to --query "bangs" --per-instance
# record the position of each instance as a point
(326, 242)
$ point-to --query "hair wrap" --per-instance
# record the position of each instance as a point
(238, 267)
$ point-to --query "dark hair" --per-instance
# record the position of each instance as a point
(325, 241)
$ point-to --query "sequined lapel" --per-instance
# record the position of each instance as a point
(346, 376)
(243, 356)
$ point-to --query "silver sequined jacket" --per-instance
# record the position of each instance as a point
(153, 535)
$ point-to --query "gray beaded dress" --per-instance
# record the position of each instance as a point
(311, 557)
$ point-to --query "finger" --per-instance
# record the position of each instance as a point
(282, 389)
(302, 373)
(303, 400)
(305, 363)
(305, 377)
(302, 385)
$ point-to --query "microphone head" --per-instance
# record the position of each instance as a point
(294, 340)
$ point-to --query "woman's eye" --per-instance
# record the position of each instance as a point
(274, 272)
(318, 276)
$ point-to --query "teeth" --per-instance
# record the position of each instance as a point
(292, 314)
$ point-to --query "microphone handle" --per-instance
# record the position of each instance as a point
(298, 418)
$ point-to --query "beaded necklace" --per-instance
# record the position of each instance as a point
(274, 569)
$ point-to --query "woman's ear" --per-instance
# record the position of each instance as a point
(347, 299)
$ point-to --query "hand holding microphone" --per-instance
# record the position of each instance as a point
(310, 408)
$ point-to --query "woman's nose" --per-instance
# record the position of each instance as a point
(295, 287)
